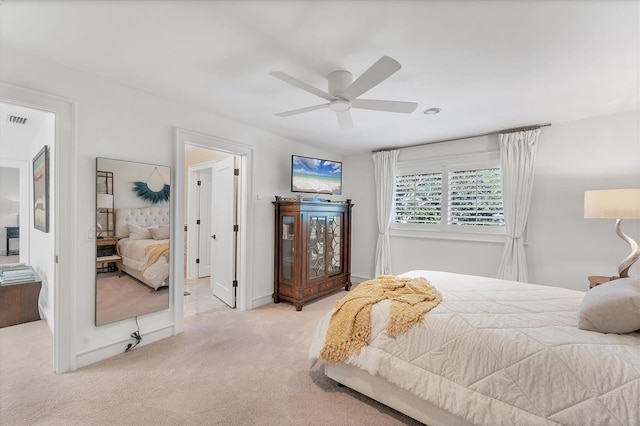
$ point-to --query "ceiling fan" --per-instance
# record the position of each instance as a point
(343, 92)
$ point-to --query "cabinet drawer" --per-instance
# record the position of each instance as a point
(309, 291)
(327, 285)
(338, 282)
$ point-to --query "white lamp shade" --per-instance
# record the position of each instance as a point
(104, 201)
(612, 204)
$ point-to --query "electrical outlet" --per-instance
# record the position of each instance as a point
(91, 234)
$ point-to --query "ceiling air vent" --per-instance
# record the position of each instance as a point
(17, 120)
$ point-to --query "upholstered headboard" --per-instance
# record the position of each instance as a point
(144, 217)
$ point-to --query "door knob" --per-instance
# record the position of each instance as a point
(213, 236)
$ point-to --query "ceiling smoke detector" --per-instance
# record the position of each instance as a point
(16, 119)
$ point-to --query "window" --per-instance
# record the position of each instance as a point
(456, 195)
(418, 198)
(475, 198)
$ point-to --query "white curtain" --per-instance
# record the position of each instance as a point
(518, 157)
(384, 171)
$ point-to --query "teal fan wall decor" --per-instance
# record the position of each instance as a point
(143, 191)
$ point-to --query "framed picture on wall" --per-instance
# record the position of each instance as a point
(41, 190)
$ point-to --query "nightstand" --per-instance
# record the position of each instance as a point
(107, 254)
(595, 280)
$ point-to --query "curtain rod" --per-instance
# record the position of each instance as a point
(511, 130)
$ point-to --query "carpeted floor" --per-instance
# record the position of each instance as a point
(228, 368)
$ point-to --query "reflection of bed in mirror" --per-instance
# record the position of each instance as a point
(143, 244)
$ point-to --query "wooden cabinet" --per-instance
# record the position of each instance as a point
(312, 249)
(19, 302)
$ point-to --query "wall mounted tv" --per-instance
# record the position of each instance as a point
(316, 176)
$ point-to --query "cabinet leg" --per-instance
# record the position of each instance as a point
(347, 287)
(276, 298)
(298, 307)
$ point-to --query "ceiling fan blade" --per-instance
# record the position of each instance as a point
(300, 84)
(345, 122)
(389, 106)
(301, 110)
(378, 72)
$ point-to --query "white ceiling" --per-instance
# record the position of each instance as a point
(489, 65)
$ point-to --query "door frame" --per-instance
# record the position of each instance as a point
(192, 246)
(64, 223)
(245, 217)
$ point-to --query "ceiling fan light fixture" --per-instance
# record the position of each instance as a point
(432, 111)
(339, 105)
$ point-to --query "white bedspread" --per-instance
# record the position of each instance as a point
(133, 256)
(506, 353)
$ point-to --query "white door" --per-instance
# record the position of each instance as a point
(204, 226)
(222, 233)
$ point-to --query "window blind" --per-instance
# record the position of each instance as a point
(475, 198)
(418, 198)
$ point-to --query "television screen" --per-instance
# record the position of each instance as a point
(316, 176)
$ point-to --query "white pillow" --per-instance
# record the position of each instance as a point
(161, 233)
(612, 307)
(139, 233)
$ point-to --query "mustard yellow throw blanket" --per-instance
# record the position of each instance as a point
(157, 250)
(350, 325)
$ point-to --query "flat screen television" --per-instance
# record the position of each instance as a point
(316, 176)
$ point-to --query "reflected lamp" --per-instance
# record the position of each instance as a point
(104, 202)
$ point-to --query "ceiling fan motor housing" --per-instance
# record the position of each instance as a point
(338, 81)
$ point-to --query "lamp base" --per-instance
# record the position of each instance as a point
(623, 268)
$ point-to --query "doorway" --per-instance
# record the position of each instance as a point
(210, 253)
(27, 131)
(244, 155)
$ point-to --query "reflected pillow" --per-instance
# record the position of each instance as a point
(161, 233)
(139, 233)
(612, 307)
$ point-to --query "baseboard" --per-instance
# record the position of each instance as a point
(93, 355)
(357, 279)
(261, 301)
(43, 315)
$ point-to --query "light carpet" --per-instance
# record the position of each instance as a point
(227, 368)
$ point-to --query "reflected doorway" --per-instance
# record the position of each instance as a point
(9, 214)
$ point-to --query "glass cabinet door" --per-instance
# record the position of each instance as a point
(316, 246)
(334, 243)
(288, 238)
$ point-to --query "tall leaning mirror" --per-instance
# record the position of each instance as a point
(132, 239)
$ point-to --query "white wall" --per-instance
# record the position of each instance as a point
(42, 244)
(600, 153)
(117, 122)
(563, 247)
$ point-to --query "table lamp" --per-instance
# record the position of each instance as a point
(103, 202)
(616, 204)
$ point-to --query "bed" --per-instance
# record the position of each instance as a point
(143, 244)
(495, 352)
